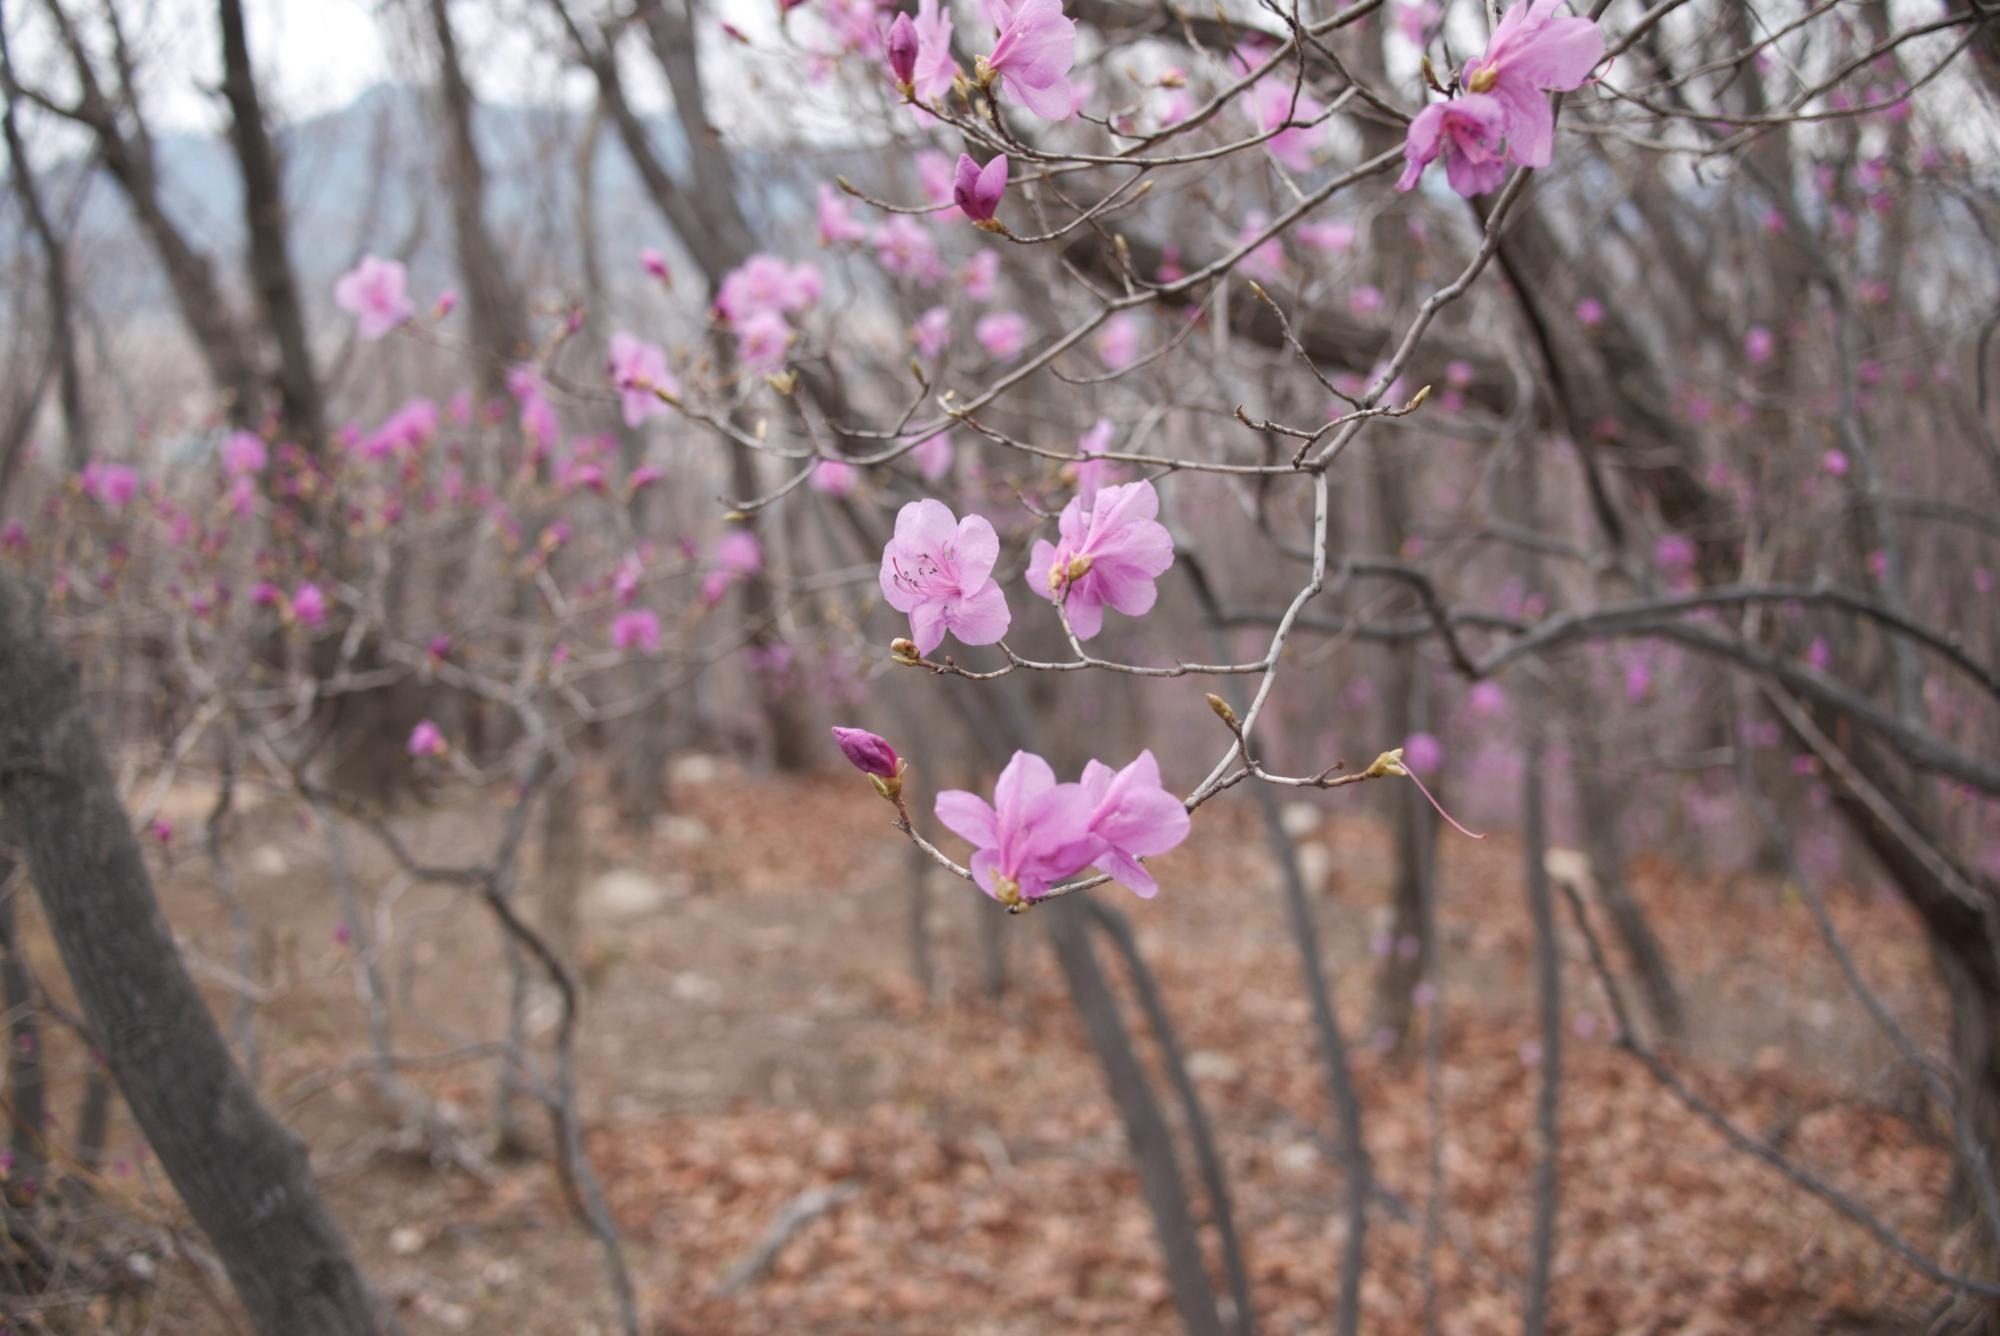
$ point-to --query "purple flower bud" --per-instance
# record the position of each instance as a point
(977, 190)
(902, 50)
(868, 753)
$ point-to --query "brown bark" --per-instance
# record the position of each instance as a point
(245, 1179)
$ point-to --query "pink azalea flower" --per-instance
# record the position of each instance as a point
(981, 276)
(110, 485)
(1267, 259)
(309, 605)
(1094, 474)
(655, 264)
(1334, 236)
(1034, 834)
(1117, 344)
(1531, 54)
(1135, 817)
(905, 250)
(637, 369)
(738, 552)
(1274, 103)
(1468, 131)
(767, 283)
(932, 332)
(1835, 462)
(637, 629)
(977, 190)
(244, 452)
(1002, 334)
(835, 477)
(1414, 20)
(935, 68)
(643, 477)
(937, 175)
(375, 293)
(1110, 555)
(1486, 698)
(939, 570)
(1759, 344)
(762, 341)
(1365, 300)
(1590, 313)
(427, 739)
(1032, 58)
(932, 456)
(868, 752)
(162, 830)
(836, 218)
(1422, 751)
(14, 537)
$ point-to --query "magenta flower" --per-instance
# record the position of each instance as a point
(1758, 345)
(637, 629)
(932, 332)
(1275, 103)
(981, 276)
(447, 302)
(1032, 59)
(977, 190)
(309, 605)
(739, 553)
(1117, 344)
(1331, 236)
(1590, 313)
(244, 452)
(835, 477)
(1135, 817)
(1092, 474)
(935, 68)
(904, 249)
(427, 739)
(937, 175)
(767, 283)
(1111, 553)
(638, 369)
(1002, 334)
(900, 48)
(1422, 751)
(110, 485)
(1468, 131)
(1034, 834)
(867, 752)
(762, 341)
(162, 830)
(1835, 462)
(939, 570)
(932, 456)
(655, 264)
(836, 218)
(1531, 54)
(375, 292)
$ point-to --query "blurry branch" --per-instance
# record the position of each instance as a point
(125, 146)
(56, 281)
(1548, 993)
(795, 1215)
(1802, 1177)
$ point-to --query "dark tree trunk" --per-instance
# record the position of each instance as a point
(264, 220)
(499, 320)
(27, 1100)
(56, 279)
(1145, 1125)
(245, 1179)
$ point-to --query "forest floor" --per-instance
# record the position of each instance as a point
(754, 1030)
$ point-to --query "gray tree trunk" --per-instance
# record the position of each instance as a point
(245, 1178)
